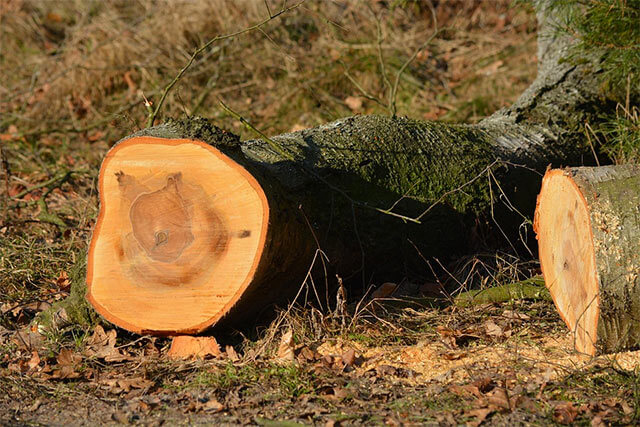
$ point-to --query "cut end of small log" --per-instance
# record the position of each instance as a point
(567, 256)
(188, 347)
(179, 235)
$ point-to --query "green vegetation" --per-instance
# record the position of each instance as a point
(290, 380)
(609, 28)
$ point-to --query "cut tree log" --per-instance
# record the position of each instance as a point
(195, 225)
(339, 187)
(179, 236)
(588, 227)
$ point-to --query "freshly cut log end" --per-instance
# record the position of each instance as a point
(589, 246)
(179, 236)
(567, 256)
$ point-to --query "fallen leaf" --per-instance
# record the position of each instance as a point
(128, 383)
(120, 417)
(469, 389)
(626, 408)
(354, 103)
(124, 385)
(480, 415)
(103, 345)
(67, 361)
(454, 355)
(231, 353)
(348, 357)
(34, 361)
(54, 17)
(564, 413)
(514, 315)
(62, 282)
(340, 393)
(212, 405)
(384, 290)
(485, 384)
(306, 355)
(93, 137)
(500, 398)
(492, 329)
(286, 348)
(383, 370)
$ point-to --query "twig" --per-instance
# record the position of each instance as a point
(5, 167)
(79, 130)
(61, 177)
(274, 145)
(589, 129)
(266, 3)
(383, 69)
(364, 93)
(394, 91)
(167, 89)
(455, 190)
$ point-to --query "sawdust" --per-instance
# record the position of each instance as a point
(552, 357)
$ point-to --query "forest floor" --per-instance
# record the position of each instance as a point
(501, 365)
(75, 79)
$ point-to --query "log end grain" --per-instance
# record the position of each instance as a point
(179, 235)
(567, 257)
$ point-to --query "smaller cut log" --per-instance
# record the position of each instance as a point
(587, 223)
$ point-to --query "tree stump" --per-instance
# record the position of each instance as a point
(587, 222)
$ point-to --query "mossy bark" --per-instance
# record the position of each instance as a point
(532, 288)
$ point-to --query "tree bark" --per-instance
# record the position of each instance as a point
(587, 228)
(335, 187)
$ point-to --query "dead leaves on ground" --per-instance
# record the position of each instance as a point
(67, 363)
(491, 397)
(494, 329)
(102, 345)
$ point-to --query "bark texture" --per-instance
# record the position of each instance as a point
(612, 198)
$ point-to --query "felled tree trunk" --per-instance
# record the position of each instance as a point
(588, 227)
(195, 227)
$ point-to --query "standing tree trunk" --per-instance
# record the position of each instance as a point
(263, 208)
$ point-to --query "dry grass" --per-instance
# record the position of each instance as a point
(70, 64)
